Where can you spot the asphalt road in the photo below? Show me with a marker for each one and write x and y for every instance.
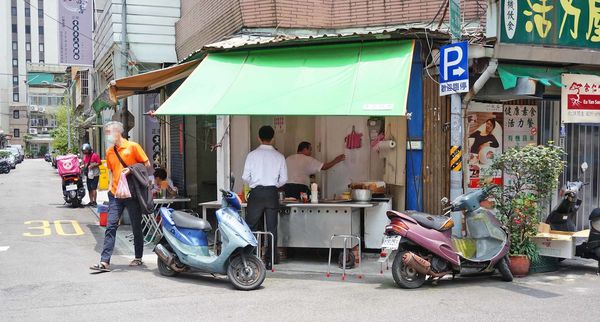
(44, 276)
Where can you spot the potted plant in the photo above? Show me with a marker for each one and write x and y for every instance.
(530, 173)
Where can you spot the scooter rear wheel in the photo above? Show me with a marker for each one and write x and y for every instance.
(404, 276)
(164, 269)
(246, 278)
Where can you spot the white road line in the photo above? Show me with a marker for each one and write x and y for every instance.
(4, 248)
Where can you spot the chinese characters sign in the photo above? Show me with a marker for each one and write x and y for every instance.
(572, 23)
(520, 125)
(75, 32)
(580, 99)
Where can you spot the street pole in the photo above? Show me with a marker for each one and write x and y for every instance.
(456, 130)
(69, 120)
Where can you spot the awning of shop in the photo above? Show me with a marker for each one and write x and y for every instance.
(149, 81)
(369, 78)
(102, 102)
(545, 75)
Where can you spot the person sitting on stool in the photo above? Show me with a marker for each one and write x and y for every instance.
(264, 171)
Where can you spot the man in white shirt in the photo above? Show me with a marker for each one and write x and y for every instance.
(301, 166)
(265, 171)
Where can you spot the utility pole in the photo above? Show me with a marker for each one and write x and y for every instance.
(124, 65)
(456, 124)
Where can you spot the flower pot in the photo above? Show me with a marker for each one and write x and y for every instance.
(519, 265)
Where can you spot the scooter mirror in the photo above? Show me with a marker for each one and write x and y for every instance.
(444, 201)
(584, 166)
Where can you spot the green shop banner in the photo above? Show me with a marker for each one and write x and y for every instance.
(570, 23)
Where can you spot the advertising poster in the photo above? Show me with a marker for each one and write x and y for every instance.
(75, 32)
(580, 98)
(485, 140)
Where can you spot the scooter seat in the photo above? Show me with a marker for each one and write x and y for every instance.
(430, 221)
(185, 220)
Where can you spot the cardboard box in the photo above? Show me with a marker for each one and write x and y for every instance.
(561, 244)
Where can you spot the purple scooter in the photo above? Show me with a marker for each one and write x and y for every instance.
(424, 244)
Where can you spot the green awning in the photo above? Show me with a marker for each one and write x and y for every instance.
(102, 102)
(40, 78)
(545, 75)
(343, 79)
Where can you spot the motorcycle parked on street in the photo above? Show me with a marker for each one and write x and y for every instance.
(424, 246)
(72, 182)
(184, 246)
(562, 218)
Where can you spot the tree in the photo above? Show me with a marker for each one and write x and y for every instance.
(60, 133)
(43, 150)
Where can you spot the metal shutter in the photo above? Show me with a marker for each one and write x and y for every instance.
(177, 141)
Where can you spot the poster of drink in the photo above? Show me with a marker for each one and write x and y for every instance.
(580, 99)
(520, 127)
(485, 138)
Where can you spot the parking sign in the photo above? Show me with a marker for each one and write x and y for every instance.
(454, 68)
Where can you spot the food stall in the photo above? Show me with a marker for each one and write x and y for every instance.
(348, 98)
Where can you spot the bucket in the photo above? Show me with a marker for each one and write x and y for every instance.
(103, 211)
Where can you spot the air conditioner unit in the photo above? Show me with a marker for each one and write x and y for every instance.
(42, 109)
(33, 108)
(44, 129)
(32, 131)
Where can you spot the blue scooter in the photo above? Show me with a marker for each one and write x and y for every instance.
(184, 246)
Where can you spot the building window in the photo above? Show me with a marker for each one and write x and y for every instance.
(27, 46)
(27, 61)
(15, 80)
(14, 28)
(15, 114)
(27, 29)
(27, 12)
(16, 133)
(84, 82)
(15, 63)
(41, 47)
(41, 30)
(40, 13)
(15, 45)
(13, 10)
(41, 61)
(15, 97)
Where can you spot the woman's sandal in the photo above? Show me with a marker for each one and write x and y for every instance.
(100, 267)
(136, 262)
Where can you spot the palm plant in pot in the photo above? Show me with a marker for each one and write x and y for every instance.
(531, 173)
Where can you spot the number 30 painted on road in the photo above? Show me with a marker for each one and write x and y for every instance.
(46, 230)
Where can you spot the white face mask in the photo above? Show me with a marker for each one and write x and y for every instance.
(109, 139)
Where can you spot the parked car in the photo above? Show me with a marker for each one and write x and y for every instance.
(4, 162)
(17, 151)
(9, 157)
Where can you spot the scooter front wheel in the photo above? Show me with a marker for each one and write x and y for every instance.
(164, 269)
(249, 277)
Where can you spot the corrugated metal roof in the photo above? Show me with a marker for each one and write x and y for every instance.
(257, 38)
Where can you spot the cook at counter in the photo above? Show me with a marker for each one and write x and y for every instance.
(301, 166)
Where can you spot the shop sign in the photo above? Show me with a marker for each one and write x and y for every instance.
(520, 128)
(570, 23)
(580, 99)
(279, 124)
(485, 140)
(75, 31)
(152, 128)
(455, 21)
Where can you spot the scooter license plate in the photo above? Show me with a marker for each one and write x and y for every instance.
(71, 187)
(391, 242)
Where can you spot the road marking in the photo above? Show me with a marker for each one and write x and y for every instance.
(46, 230)
(4, 248)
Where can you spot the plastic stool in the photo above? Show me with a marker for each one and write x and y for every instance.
(346, 239)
